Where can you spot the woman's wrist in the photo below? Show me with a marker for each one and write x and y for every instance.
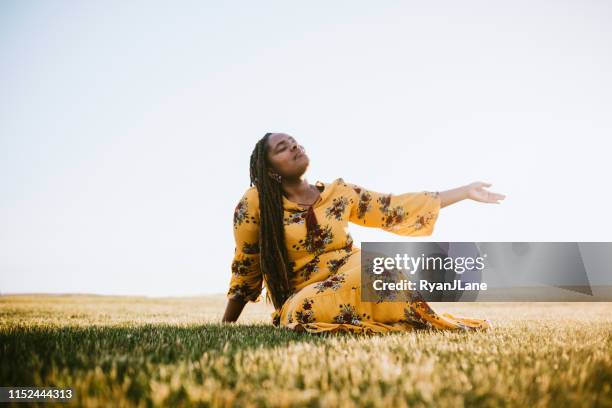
(465, 192)
(232, 310)
(454, 195)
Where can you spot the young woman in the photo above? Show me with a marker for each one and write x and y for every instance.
(293, 236)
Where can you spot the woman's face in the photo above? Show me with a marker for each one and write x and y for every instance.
(286, 155)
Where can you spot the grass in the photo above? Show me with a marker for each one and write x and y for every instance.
(131, 351)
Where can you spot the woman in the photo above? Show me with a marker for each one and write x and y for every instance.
(293, 236)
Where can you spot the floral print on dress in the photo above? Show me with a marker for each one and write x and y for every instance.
(311, 267)
(334, 264)
(241, 212)
(413, 317)
(241, 292)
(333, 282)
(423, 220)
(250, 248)
(348, 315)
(386, 276)
(385, 202)
(387, 295)
(391, 216)
(364, 204)
(337, 208)
(242, 266)
(348, 247)
(306, 315)
(420, 303)
(316, 241)
(295, 218)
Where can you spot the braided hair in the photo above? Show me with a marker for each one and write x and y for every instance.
(274, 259)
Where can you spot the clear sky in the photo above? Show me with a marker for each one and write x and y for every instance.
(126, 127)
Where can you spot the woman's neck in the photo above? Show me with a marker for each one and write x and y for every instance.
(299, 191)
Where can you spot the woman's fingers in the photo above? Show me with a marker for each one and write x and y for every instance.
(495, 197)
(481, 194)
(490, 197)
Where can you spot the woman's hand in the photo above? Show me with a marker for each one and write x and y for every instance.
(476, 191)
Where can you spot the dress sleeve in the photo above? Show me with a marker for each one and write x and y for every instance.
(413, 213)
(246, 281)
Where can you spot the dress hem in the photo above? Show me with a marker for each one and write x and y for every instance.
(376, 328)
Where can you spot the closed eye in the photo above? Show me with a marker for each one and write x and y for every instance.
(284, 144)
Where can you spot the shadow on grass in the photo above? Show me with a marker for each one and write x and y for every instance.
(29, 353)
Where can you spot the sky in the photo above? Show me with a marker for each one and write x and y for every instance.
(126, 127)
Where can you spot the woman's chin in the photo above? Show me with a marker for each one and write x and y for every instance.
(299, 171)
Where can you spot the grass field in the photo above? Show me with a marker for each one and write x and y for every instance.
(131, 351)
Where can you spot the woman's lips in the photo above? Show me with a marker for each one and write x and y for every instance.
(299, 154)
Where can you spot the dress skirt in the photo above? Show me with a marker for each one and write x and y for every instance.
(334, 304)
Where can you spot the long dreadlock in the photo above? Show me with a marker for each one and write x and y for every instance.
(274, 259)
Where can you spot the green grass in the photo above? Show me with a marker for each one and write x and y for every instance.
(127, 351)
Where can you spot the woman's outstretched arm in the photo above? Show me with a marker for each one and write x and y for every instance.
(232, 310)
(474, 191)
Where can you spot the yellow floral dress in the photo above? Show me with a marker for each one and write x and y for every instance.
(326, 266)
